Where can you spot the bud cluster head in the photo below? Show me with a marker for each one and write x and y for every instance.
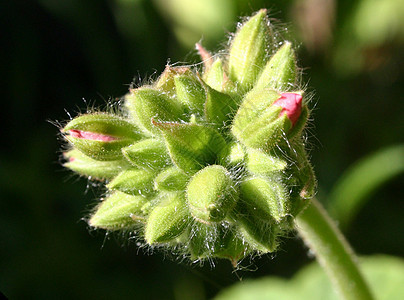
(210, 163)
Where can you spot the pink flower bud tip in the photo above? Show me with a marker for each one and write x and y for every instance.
(87, 135)
(291, 104)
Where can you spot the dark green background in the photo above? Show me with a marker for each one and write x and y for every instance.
(54, 54)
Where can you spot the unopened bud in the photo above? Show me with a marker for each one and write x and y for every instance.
(118, 211)
(265, 117)
(101, 136)
(211, 194)
(96, 169)
(168, 220)
(134, 182)
(147, 154)
(280, 72)
(171, 179)
(145, 104)
(191, 146)
(248, 51)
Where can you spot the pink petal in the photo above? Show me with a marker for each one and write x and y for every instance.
(87, 135)
(291, 104)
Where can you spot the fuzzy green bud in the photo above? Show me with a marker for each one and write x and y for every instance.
(171, 179)
(266, 117)
(95, 169)
(192, 146)
(168, 220)
(147, 154)
(101, 136)
(134, 182)
(211, 194)
(190, 92)
(165, 82)
(259, 234)
(219, 107)
(280, 73)
(265, 198)
(236, 154)
(222, 239)
(259, 162)
(147, 104)
(248, 51)
(118, 211)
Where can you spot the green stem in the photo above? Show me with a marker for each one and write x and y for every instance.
(333, 252)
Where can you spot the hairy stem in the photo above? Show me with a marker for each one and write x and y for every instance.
(333, 252)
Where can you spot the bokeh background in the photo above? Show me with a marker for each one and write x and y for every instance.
(61, 57)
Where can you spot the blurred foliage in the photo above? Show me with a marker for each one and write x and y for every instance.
(384, 273)
(56, 53)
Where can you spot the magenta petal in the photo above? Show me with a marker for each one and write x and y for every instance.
(87, 135)
(291, 104)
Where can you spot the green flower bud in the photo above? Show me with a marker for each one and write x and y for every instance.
(236, 154)
(248, 51)
(221, 240)
(118, 211)
(168, 220)
(96, 169)
(165, 83)
(259, 162)
(134, 182)
(171, 179)
(215, 76)
(148, 154)
(219, 107)
(265, 118)
(259, 234)
(265, 198)
(280, 73)
(192, 146)
(101, 136)
(211, 194)
(190, 92)
(300, 177)
(217, 79)
(146, 104)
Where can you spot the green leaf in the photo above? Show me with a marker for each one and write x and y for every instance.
(362, 179)
(385, 275)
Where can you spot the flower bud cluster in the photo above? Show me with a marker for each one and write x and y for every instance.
(210, 162)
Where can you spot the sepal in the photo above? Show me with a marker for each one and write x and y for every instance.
(96, 169)
(211, 194)
(192, 146)
(168, 220)
(118, 211)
